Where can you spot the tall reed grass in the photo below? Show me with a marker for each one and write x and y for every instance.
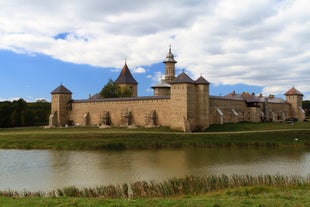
(190, 185)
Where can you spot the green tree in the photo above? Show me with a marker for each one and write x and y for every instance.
(126, 91)
(112, 90)
(18, 115)
(38, 112)
(5, 114)
(306, 107)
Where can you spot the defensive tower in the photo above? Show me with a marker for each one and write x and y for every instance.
(125, 79)
(203, 119)
(294, 98)
(61, 98)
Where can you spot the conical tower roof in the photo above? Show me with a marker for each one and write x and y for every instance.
(293, 91)
(125, 77)
(61, 90)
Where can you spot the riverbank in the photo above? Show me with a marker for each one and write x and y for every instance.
(92, 138)
(211, 191)
(244, 196)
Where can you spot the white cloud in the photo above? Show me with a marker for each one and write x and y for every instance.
(138, 70)
(259, 42)
(156, 77)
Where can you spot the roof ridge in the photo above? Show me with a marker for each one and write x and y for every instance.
(183, 78)
(202, 80)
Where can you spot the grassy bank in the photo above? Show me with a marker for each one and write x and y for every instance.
(227, 135)
(211, 191)
(238, 197)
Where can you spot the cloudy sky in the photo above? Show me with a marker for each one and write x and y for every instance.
(259, 46)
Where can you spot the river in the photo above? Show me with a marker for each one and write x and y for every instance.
(46, 170)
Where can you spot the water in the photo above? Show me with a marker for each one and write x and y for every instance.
(46, 170)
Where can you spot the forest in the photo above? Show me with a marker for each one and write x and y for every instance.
(19, 113)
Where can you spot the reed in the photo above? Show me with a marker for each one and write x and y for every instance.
(192, 185)
(174, 187)
(110, 191)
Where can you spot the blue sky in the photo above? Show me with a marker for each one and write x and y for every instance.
(33, 77)
(259, 46)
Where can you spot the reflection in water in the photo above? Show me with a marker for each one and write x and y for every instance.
(250, 161)
(36, 170)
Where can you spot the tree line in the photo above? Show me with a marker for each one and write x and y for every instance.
(20, 113)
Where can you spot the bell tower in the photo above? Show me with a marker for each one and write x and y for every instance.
(170, 67)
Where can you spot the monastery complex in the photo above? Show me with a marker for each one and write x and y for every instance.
(179, 102)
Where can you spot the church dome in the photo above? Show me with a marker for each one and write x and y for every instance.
(170, 57)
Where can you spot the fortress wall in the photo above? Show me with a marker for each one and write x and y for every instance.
(226, 106)
(138, 108)
(281, 111)
(277, 111)
(233, 111)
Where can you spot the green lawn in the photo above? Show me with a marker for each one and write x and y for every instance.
(236, 197)
(227, 135)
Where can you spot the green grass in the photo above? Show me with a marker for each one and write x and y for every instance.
(252, 126)
(244, 196)
(91, 138)
(256, 196)
(174, 187)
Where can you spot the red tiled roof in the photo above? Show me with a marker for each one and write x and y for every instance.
(293, 91)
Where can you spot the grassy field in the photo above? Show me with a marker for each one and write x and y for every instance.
(227, 135)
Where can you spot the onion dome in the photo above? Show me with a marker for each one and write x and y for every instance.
(170, 57)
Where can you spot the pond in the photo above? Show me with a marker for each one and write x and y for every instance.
(46, 170)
